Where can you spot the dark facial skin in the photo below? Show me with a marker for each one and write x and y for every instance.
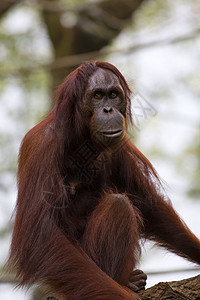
(104, 108)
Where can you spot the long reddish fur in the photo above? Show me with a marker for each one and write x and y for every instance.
(40, 251)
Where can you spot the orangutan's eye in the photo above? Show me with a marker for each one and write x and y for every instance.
(113, 94)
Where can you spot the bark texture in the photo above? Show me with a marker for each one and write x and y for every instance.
(177, 290)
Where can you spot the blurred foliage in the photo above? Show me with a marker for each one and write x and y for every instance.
(152, 13)
(18, 45)
(31, 90)
(193, 157)
(158, 12)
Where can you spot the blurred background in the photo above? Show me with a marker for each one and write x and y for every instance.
(156, 45)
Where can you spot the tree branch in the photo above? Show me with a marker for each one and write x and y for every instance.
(176, 290)
(73, 60)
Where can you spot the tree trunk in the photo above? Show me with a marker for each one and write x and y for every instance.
(96, 25)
